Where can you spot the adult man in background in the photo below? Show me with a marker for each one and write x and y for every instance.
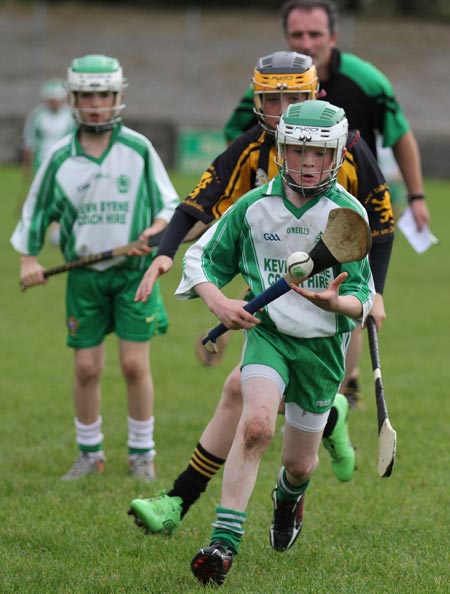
(311, 28)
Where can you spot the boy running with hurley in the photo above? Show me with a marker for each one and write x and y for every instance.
(296, 346)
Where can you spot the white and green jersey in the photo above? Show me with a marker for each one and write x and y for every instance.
(256, 236)
(100, 203)
(44, 128)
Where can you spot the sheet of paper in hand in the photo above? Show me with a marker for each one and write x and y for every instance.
(419, 240)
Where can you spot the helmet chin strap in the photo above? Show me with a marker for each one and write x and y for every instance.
(260, 116)
(97, 127)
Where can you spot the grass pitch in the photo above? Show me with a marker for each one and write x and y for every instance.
(369, 536)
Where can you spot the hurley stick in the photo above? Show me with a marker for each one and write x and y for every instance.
(387, 436)
(152, 242)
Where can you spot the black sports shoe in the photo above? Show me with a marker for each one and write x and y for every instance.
(287, 522)
(211, 564)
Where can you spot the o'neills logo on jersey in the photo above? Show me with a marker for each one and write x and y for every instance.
(297, 231)
(123, 183)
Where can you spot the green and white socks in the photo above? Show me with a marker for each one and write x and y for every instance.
(228, 527)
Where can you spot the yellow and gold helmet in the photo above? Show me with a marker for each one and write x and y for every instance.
(290, 76)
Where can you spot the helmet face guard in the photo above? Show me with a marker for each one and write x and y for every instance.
(312, 124)
(96, 74)
(283, 73)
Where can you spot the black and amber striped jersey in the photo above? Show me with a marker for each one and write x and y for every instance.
(250, 162)
(247, 163)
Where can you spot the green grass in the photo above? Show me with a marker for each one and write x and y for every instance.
(369, 536)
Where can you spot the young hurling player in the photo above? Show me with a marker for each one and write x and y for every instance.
(278, 80)
(106, 186)
(295, 348)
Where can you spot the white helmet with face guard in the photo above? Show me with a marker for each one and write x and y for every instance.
(312, 124)
(96, 73)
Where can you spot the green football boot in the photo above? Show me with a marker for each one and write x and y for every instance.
(158, 514)
(338, 444)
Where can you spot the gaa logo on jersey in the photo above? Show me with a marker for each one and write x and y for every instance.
(123, 183)
(272, 237)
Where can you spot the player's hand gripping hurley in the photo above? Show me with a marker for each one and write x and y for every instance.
(123, 250)
(387, 436)
(346, 238)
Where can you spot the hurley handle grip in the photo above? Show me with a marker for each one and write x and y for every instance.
(152, 242)
(270, 294)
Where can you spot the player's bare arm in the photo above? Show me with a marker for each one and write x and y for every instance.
(159, 266)
(230, 312)
(407, 155)
(378, 312)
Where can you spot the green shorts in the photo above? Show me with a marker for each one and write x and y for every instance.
(311, 368)
(98, 303)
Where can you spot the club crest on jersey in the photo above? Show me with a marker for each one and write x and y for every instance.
(318, 237)
(261, 177)
(72, 324)
(123, 183)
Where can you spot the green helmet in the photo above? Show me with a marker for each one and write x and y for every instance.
(96, 73)
(317, 124)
